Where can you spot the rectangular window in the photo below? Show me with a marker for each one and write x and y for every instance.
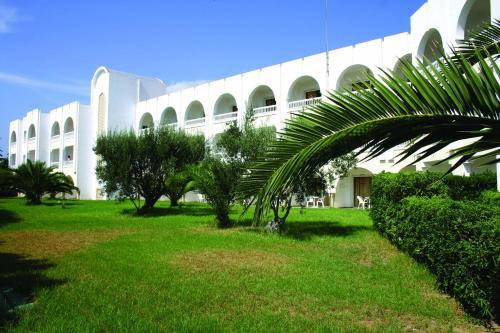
(270, 101)
(313, 94)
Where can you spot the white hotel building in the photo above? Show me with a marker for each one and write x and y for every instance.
(64, 137)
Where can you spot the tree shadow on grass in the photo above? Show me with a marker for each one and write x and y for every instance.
(55, 202)
(8, 217)
(171, 211)
(25, 276)
(307, 230)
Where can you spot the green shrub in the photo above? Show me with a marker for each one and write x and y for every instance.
(491, 198)
(470, 188)
(460, 243)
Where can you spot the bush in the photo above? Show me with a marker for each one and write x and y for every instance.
(491, 198)
(459, 241)
(470, 188)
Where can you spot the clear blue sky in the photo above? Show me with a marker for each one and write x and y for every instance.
(49, 49)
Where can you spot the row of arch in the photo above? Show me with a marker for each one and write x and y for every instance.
(305, 87)
(55, 130)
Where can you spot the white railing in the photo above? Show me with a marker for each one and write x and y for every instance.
(54, 164)
(68, 163)
(174, 125)
(303, 103)
(226, 116)
(69, 135)
(195, 122)
(13, 146)
(32, 140)
(264, 109)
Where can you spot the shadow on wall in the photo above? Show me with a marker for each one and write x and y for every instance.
(23, 277)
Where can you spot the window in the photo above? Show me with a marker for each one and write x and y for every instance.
(235, 108)
(313, 94)
(270, 101)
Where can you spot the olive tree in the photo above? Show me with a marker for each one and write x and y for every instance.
(132, 166)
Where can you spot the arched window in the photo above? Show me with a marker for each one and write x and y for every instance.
(13, 137)
(303, 92)
(168, 117)
(31, 132)
(225, 108)
(55, 131)
(146, 121)
(195, 114)
(69, 126)
(262, 100)
(474, 14)
(101, 114)
(354, 78)
(399, 65)
(431, 46)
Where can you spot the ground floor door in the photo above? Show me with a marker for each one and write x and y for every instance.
(362, 188)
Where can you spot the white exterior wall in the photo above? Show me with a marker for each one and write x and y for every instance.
(129, 97)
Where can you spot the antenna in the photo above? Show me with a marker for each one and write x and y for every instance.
(327, 47)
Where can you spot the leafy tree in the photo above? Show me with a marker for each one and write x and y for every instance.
(339, 167)
(455, 98)
(178, 184)
(219, 175)
(137, 166)
(36, 179)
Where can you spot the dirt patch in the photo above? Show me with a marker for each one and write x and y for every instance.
(43, 244)
(227, 260)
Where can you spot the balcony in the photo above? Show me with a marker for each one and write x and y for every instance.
(229, 116)
(68, 164)
(13, 146)
(69, 135)
(55, 140)
(304, 103)
(55, 164)
(265, 110)
(195, 122)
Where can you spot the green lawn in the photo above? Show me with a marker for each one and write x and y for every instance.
(94, 267)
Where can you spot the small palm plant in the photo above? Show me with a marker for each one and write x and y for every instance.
(427, 107)
(36, 179)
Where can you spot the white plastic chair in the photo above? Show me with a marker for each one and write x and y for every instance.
(320, 201)
(310, 200)
(361, 202)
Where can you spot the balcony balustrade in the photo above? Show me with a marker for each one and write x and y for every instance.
(195, 122)
(226, 116)
(69, 135)
(265, 110)
(301, 104)
(68, 163)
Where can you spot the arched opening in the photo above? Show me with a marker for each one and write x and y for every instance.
(225, 108)
(303, 92)
(31, 132)
(474, 15)
(399, 65)
(13, 137)
(431, 46)
(101, 114)
(146, 122)
(55, 131)
(262, 100)
(168, 117)
(195, 114)
(354, 78)
(69, 127)
(354, 189)
(54, 157)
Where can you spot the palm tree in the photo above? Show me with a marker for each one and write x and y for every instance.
(428, 107)
(35, 179)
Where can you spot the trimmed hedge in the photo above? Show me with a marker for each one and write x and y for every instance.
(459, 241)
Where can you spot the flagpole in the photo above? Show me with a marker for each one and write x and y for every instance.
(327, 47)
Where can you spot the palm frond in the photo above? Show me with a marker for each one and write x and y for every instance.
(449, 101)
(486, 40)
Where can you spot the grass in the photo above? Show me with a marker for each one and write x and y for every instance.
(94, 267)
